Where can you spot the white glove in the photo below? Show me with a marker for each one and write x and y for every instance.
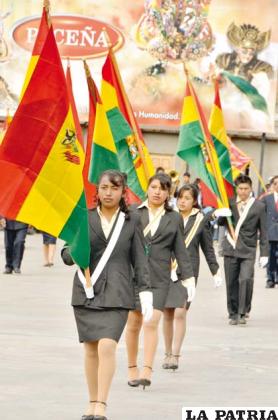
(217, 280)
(263, 262)
(191, 289)
(146, 300)
(89, 291)
(222, 212)
(174, 276)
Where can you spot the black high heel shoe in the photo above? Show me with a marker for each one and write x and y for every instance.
(89, 416)
(133, 382)
(97, 416)
(145, 382)
(175, 363)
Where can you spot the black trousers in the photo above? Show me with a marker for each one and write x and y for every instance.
(239, 275)
(272, 269)
(14, 244)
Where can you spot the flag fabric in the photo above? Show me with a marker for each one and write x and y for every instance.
(41, 159)
(220, 139)
(90, 188)
(134, 157)
(38, 45)
(239, 159)
(103, 150)
(191, 145)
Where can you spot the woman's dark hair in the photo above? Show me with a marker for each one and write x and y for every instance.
(118, 179)
(194, 191)
(166, 183)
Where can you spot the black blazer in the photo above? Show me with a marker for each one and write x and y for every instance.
(167, 239)
(114, 287)
(254, 223)
(202, 238)
(271, 217)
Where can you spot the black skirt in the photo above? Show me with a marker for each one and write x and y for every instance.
(177, 296)
(95, 324)
(159, 297)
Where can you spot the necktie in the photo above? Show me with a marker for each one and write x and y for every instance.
(242, 207)
(276, 205)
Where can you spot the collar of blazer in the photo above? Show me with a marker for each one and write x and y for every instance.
(165, 219)
(191, 220)
(95, 224)
(240, 220)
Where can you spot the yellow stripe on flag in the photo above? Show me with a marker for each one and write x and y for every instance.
(102, 133)
(58, 186)
(109, 95)
(217, 126)
(33, 62)
(189, 111)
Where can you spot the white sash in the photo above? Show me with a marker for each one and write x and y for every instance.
(194, 229)
(104, 258)
(149, 226)
(240, 222)
(187, 242)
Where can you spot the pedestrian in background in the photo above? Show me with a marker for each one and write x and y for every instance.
(14, 237)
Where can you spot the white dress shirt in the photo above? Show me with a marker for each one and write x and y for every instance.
(106, 224)
(152, 215)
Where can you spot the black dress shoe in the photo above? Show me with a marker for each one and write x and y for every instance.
(8, 270)
(100, 417)
(270, 285)
(89, 417)
(17, 270)
(134, 383)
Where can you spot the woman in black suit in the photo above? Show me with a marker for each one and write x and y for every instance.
(163, 234)
(197, 233)
(100, 320)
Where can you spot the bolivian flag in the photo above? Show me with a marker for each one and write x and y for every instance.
(192, 143)
(134, 158)
(41, 160)
(219, 136)
(104, 153)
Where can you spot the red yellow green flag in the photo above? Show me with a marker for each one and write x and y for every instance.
(90, 188)
(103, 150)
(239, 159)
(41, 159)
(134, 157)
(192, 145)
(220, 139)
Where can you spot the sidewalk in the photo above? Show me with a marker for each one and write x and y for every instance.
(41, 361)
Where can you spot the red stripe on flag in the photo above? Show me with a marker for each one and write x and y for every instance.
(35, 125)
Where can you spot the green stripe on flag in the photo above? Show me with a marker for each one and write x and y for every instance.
(224, 159)
(76, 233)
(102, 160)
(189, 149)
(121, 130)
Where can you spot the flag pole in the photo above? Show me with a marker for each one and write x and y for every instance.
(225, 201)
(129, 110)
(258, 175)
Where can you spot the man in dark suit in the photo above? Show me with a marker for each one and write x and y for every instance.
(271, 204)
(249, 219)
(15, 234)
